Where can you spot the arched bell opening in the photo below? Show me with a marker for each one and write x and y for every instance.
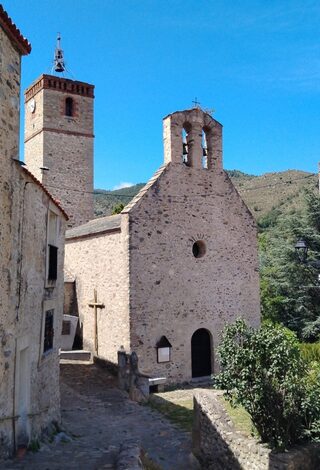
(204, 144)
(186, 144)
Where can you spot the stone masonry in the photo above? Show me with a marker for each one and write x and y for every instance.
(61, 141)
(220, 446)
(99, 260)
(29, 379)
(143, 263)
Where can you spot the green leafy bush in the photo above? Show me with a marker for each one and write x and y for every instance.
(263, 371)
(117, 209)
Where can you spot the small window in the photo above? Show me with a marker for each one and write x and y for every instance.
(53, 263)
(52, 247)
(199, 249)
(69, 106)
(48, 331)
(66, 327)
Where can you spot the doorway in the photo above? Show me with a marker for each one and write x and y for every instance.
(201, 353)
(23, 397)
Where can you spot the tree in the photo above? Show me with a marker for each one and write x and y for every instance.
(290, 292)
(263, 371)
(117, 208)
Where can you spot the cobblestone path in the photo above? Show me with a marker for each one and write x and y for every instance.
(99, 418)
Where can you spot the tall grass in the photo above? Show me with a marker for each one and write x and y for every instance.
(310, 352)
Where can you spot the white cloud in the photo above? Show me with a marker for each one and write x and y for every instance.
(122, 185)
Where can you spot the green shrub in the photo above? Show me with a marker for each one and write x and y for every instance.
(263, 371)
(117, 208)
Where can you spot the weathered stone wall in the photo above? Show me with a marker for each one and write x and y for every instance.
(64, 144)
(9, 148)
(31, 380)
(45, 395)
(100, 262)
(172, 293)
(10, 63)
(219, 446)
(23, 321)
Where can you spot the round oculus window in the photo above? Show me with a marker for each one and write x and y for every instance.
(199, 249)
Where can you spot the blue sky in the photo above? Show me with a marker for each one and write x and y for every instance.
(256, 63)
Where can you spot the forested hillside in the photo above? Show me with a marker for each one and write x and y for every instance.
(268, 196)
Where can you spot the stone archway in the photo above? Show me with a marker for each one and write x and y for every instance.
(201, 353)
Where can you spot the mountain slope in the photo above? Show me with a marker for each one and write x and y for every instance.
(268, 196)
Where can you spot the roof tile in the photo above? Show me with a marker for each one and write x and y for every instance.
(14, 33)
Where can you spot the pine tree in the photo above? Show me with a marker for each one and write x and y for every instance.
(290, 290)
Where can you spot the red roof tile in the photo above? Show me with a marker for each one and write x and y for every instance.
(55, 201)
(14, 33)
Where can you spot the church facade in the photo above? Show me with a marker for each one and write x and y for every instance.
(175, 266)
(163, 277)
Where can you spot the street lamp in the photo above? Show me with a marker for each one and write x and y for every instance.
(302, 250)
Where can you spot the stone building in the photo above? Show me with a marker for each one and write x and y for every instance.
(175, 266)
(59, 142)
(32, 228)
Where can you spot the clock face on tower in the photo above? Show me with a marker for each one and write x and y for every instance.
(32, 105)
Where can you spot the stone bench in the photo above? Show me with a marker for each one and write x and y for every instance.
(156, 384)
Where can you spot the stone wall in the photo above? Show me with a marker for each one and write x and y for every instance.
(30, 386)
(219, 446)
(63, 144)
(29, 380)
(100, 261)
(10, 64)
(173, 293)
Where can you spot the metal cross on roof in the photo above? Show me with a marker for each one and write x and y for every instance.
(196, 103)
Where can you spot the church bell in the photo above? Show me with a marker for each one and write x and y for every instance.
(59, 65)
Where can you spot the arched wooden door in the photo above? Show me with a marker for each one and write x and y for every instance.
(201, 353)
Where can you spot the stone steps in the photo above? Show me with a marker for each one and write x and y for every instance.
(76, 356)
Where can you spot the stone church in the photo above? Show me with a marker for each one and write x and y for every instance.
(163, 277)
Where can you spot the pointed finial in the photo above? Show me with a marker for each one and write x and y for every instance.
(59, 65)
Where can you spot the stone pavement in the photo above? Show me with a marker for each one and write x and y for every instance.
(99, 418)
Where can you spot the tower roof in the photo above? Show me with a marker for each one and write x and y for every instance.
(60, 84)
(21, 43)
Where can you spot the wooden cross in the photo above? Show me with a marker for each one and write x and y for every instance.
(95, 304)
(196, 103)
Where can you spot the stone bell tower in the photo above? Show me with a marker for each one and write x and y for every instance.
(194, 138)
(59, 140)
